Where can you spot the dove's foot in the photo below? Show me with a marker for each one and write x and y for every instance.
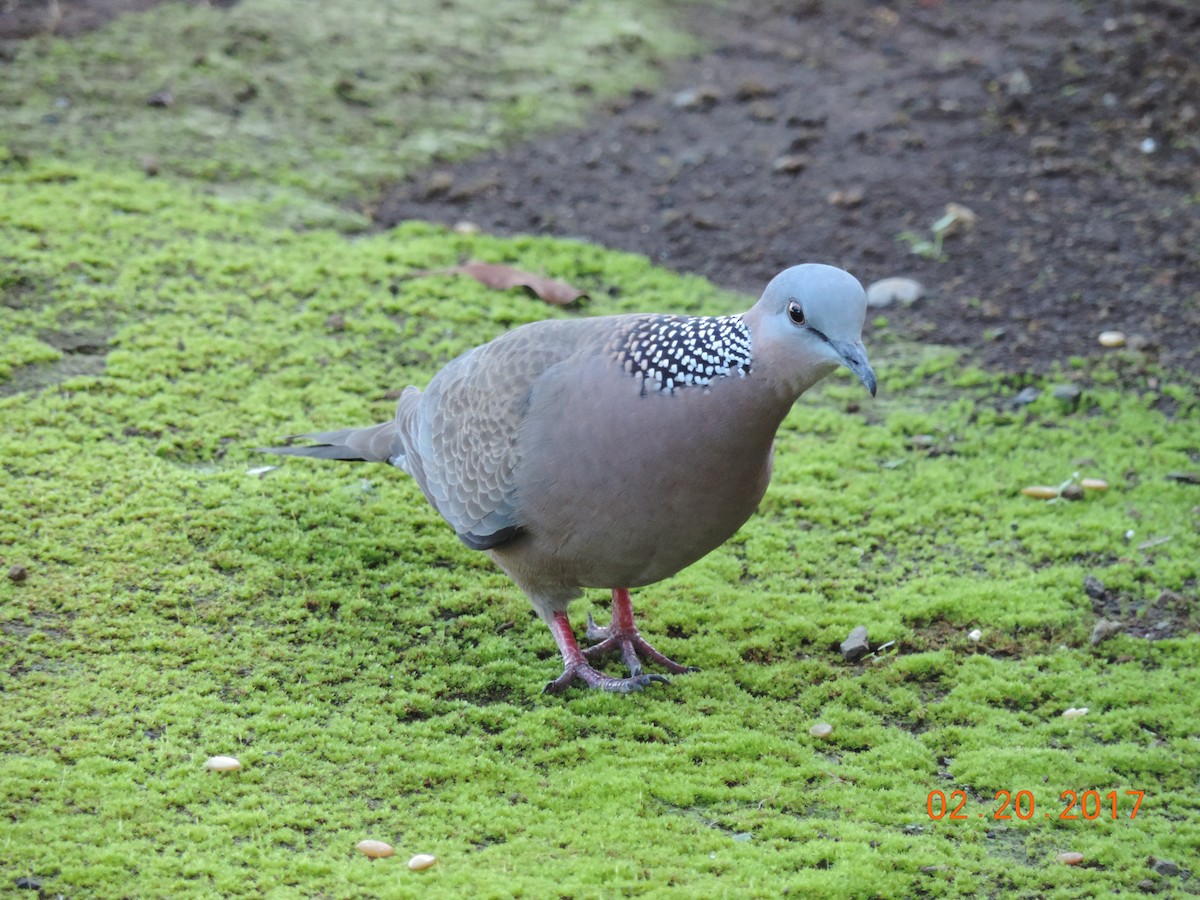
(575, 666)
(595, 679)
(621, 635)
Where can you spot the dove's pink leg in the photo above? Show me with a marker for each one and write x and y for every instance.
(622, 634)
(576, 666)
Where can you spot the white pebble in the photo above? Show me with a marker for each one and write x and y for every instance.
(821, 730)
(374, 849)
(1073, 713)
(1149, 145)
(222, 764)
(1112, 339)
(421, 861)
(975, 636)
(888, 290)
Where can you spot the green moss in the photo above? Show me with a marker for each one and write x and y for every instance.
(377, 679)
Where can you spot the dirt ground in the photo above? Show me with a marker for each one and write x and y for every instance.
(839, 132)
(1036, 115)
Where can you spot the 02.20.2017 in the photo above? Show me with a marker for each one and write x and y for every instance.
(1090, 804)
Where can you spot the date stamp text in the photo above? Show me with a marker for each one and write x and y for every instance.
(1087, 805)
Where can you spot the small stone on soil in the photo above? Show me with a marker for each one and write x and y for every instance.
(700, 99)
(790, 164)
(1164, 867)
(821, 730)
(1068, 393)
(847, 199)
(1094, 588)
(18, 573)
(1104, 629)
(887, 291)
(1111, 339)
(855, 647)
(1016, 83)
(1027, 396)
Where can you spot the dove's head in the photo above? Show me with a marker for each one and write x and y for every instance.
(807, 323)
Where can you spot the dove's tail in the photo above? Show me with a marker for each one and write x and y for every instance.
(375, 443)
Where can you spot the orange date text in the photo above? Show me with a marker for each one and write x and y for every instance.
(1087, 805)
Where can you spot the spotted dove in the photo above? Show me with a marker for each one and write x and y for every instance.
(612, 452)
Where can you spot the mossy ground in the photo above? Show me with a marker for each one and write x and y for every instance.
(377, 679)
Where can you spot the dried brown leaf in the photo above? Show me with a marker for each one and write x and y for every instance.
(504, 278)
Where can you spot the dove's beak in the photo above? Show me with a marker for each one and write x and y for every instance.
(854, 358)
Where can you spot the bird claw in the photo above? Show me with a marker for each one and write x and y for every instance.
(632, 647)
(596, 679)
(596, 632)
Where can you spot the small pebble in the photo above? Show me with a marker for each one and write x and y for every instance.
(1066, 392)
(1165, 867)
(222, 764)
(701, 98)
(1095, 588)
(1073, 713)
(1148, 146)
(847, 199)
(1112, 339)
(375, 849)
(1104, 629)
(421, 861)
(1026, 396)
(1040, 492)
(821, 730)
(18, 573)
(856, 645)
(1069, 859)
(466, 227)
(1094, 484)
(1016, 83)
(790, 164)
(887, 291)
(975, 636)
(1071, 492)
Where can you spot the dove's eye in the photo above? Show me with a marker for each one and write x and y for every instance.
(796, 312)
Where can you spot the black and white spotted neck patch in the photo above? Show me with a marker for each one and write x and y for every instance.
(669, 352)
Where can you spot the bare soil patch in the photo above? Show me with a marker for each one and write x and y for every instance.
(825, 131)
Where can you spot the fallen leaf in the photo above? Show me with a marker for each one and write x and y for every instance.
(505, 278)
